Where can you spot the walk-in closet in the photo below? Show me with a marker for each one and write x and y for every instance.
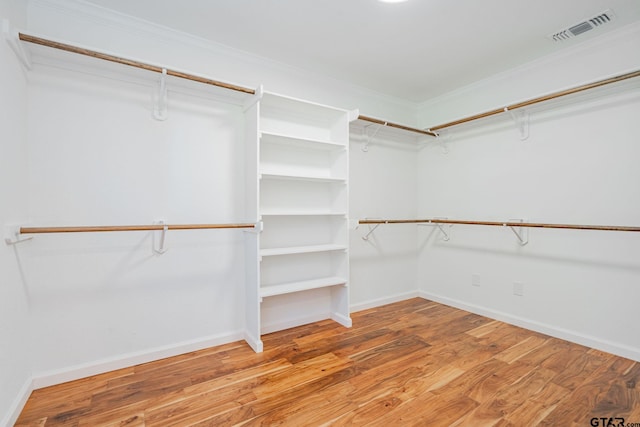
(319, 213)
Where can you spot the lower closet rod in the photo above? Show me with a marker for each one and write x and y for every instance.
(500, 224)
(153, 227)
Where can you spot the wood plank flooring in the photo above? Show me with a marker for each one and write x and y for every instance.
(415, 362)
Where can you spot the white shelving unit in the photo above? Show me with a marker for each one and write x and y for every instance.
(301, 197)
(296, 172)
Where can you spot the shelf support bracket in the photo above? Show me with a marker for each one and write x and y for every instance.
(522, 234)
(12, 235)
(16, 45)
(160, 109)
(371, 230)
(521, 120)
(445, 235)
(442, 138)
(367, 142)
(159, 241)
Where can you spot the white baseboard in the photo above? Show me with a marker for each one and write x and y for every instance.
(18, 404)
(45, 379)
(383, 301)
(565, 334)
(254, 342)
(343, 320)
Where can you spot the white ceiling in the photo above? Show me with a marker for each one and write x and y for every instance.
(414, 50)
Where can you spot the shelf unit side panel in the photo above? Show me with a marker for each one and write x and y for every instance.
(252, 239)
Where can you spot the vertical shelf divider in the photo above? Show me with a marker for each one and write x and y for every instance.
(302, 196)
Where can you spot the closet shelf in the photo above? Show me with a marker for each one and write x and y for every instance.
(282, 106)
(289, 177)
(284, 139)
(302, 213)
(287, 288)
(301, 250)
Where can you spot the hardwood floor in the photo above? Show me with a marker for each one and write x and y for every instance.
(415, 362)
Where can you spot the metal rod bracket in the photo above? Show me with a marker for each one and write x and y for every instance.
(160, 239)
(371, 230)
(160, 108)
(521, 120)
(368, 138)
(13, 236)
(446, 236)
(522, 234)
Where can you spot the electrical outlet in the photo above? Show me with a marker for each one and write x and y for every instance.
(518, 289)
(475, 280)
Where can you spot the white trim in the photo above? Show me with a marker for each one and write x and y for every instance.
(49, 378)
(254, 343)
(384, 301)
(18, 404)
(88, 12)
(548, 60)
(565, 334)
(343, 320)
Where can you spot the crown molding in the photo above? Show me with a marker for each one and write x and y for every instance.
(628, 32)
(84, 11)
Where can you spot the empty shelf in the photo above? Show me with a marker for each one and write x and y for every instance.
(302, 249)
(302, 177)
(278, 138)
(287, 288)
(302, 213)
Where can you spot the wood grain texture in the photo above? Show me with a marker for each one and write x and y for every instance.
(129, 62)
(108, 228)
(414, 362)
(502, 224)
(540, 99)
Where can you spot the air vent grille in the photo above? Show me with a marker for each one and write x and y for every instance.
(587, 25)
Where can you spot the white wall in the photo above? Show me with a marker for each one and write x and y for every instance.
(579, 165)
(101, 301)
(15, 374)
(382, 185)
(99, 28)
(97, 157)
(107, 300)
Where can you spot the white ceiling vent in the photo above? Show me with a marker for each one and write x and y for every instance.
(587, 25)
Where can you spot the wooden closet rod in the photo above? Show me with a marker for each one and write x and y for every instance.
(500, 224)
(131, 63)
(537, 100)
(397, 126)
(153, 227)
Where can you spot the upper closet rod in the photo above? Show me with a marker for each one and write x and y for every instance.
(131, 63)
(539, 99)
(153, 227)
(397, 126)
(500, 224)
